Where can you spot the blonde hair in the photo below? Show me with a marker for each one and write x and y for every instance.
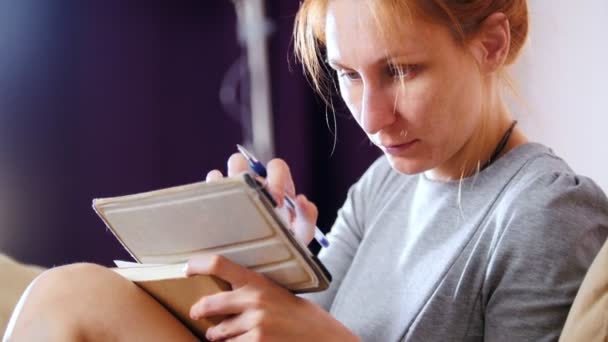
(462, 18)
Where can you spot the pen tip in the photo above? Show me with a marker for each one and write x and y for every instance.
(246, 153)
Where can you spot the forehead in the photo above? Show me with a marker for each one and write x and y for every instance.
(355, 33)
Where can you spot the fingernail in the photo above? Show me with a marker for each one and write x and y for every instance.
(196, 311)
(209, 334)
(193, 314)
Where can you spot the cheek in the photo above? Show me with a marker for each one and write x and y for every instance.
(419, 105)
(453, 115)
(433, 111)
(438, 103)
(464, 105)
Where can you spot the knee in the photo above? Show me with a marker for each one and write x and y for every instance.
(73, 283)
(73, 275)
(54, 301)
(71, 271)
(60, 274)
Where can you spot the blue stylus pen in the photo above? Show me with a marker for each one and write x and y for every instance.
(260, 170)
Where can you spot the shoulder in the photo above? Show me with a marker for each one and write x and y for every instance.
(547, 183)
(549, 224)
(549, 210)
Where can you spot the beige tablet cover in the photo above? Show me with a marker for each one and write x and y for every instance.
(231, 217)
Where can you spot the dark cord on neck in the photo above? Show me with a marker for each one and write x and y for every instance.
(501, 145)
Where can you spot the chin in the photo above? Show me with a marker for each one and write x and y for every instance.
(406, 166)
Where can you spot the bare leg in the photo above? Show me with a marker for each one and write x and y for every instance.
(85, 302)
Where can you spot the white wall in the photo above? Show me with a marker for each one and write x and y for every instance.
(563, 80)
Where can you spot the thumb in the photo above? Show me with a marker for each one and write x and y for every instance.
(221, 267)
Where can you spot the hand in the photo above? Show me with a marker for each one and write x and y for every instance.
(279, 183)
(259, 309)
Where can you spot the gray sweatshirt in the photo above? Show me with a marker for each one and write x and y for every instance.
(498, 256)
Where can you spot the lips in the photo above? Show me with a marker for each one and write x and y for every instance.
(399, 148)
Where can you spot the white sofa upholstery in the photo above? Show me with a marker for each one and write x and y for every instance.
(14, 278)
(588, 317)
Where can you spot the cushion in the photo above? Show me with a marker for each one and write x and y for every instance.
(14, 278)
(588, 317)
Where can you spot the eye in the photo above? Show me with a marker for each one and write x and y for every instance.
(402, 72)
(348, 75)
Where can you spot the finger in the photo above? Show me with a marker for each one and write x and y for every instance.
(250, 335)
(279, 180)
(286, 214)
(305, 220)
(214, 175)
(234, 326)
(237, 164)
(222, 303)
(220, 267)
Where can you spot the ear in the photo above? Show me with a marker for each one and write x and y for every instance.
(490, 44)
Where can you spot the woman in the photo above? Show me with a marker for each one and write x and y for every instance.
(462, 231)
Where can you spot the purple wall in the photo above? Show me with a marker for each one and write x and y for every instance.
(102, 98)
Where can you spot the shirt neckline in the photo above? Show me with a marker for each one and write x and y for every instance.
(507, 161)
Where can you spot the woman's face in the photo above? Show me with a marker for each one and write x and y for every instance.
(417, 98)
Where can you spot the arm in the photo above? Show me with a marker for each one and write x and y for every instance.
(344, 239)
(260, 309)
(349, 229)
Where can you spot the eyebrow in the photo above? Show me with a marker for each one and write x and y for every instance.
(334, 63)
(385, 59)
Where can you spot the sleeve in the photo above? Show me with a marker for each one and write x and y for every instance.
(553, 230)
(347, 233)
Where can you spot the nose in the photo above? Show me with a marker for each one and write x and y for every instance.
(378, 109)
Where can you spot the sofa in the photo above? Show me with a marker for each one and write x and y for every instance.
(14, 278)
(588, 316)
